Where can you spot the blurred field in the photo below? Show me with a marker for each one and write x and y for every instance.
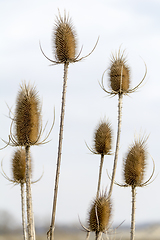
(148, 233)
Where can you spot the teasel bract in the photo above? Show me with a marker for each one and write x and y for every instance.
(119, 84)
(102, 144)
(134, 169)
(65, 52)
(99, 215)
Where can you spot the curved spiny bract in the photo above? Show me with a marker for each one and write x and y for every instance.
(103, 138)
(135, 163)
(99, 214)
(27, 116)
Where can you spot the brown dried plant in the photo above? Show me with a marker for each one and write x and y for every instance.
(99, 216)
(65, 52)
(119, 81)
(27, 131)
(19, 177)
(134, 170)
(102, 145)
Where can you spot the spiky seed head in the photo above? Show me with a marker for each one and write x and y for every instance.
(19, 166)
(64, 39)
(135, 163)
(103, 138)
(119, 74)
(99, 214)
(27, 116)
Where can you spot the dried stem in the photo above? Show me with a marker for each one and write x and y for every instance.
(133, 213)
(30, 219)
(117, 143)
(100, 174)
(23, 211)
(51, 231)
(98, 235)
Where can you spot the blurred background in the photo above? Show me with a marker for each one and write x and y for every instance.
(133, 25)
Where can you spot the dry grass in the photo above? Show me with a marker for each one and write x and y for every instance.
(149, 233)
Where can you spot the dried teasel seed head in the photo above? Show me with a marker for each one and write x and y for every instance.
(103, 138)
(64, 39)
(99, 214)
(119, 74)
(27, 116)
(135, 163)
(19, 166)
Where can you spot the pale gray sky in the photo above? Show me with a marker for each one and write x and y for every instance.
(132, 24)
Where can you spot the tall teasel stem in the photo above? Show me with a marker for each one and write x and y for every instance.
(100, 174)
(65, 51)
(30, 219)
(117, 142)
(59, 150)
(133, 212)
(23, 211)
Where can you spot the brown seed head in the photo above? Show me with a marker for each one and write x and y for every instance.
(99, 214)
(119, 74)
(135, 163)
(64, 39)
(103, 138)
(27, 116)
(19, 166)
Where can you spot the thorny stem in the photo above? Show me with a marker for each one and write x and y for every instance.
(98, 235)
(133, 213)
(51, 231)
(30, 219)
(88, 234)
(23, 211)
(117, 143)
(100, 174)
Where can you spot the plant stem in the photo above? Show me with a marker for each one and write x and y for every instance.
(23, 211)
(51, 231)
(98, 235)
(30, 220)
(117, 143)
(133, 213)
(100, 174)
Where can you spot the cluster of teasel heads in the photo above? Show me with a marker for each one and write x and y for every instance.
(25, 131)
(135, 162)
(28, 130)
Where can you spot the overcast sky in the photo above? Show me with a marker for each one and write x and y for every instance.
(133, 25)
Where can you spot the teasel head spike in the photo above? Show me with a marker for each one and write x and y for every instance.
(26, 126)
(99, 214)
(27, 116)
(102, 140)
(18, 167)
(119, 75)
(65, 42)
(135, 165)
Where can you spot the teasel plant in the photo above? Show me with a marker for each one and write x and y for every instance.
(99, 216)
(19, 177)
(65, 52)
(134, 168)
(26, 131)
(102, 144)
(119, 84)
